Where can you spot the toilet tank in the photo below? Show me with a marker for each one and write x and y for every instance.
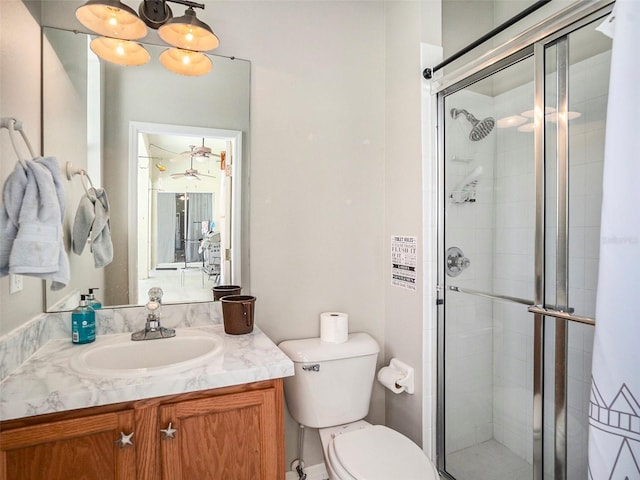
(332, 382)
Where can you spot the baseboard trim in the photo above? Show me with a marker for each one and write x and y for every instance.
(313, 472)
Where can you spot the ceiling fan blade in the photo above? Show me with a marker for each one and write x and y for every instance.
(180, 157)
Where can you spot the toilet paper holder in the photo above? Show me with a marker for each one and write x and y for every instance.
(405, 379)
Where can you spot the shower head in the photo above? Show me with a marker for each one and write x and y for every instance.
(479, 128)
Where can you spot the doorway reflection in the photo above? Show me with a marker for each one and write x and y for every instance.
(182, 215)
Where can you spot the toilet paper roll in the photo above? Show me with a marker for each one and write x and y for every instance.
(334, 327)
(389, 377)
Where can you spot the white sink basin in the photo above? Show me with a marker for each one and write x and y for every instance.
(117, 355)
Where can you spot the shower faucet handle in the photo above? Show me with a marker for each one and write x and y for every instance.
(462, 262)
(456, 261)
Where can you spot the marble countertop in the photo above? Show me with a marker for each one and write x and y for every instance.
(46, 383)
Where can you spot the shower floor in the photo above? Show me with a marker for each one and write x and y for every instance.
(489, 460)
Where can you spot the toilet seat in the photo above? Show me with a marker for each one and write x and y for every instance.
(378, 453)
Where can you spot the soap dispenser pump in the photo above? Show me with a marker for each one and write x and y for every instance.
(83, 322)
(92, 300)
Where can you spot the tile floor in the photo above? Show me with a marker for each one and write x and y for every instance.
(180, 285)
(489, 460)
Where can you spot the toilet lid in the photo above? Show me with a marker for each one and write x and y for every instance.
(379, 453)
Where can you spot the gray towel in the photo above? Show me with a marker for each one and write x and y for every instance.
(31, 223)
(92, 223)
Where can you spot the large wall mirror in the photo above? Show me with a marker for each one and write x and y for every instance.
(141, 133)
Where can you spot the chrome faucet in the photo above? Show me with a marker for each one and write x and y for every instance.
(152, 329)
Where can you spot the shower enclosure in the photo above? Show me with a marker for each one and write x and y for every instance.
(521, 147)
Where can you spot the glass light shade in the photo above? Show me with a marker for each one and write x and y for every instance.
(531, 113)
(527, 127)
(188, 33)
(553, 117)
(122, 52)
(185, 62)
(111, 18)
(511, 121)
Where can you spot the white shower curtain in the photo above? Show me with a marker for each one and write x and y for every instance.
(614, 410)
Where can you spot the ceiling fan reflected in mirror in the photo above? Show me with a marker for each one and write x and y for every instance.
(201, 153)
(191, 173)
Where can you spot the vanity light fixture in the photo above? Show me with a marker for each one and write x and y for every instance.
(185, 62)
(122, 52)
(188, 33)
(118, 24)
(111, 18)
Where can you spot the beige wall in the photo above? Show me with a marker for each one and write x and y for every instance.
(335, 168)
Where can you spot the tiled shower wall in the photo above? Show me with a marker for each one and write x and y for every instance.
(469, 322)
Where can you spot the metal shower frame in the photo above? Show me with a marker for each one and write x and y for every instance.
(531, 43)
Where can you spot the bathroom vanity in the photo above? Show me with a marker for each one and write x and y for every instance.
(219, 419)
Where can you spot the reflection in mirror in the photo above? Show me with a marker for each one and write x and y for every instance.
(101, 117)
(183, 216)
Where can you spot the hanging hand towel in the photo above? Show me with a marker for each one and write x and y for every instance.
(31, 223)
(92, 223)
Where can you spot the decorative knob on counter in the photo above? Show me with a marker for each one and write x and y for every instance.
(168, 432)
(125, 439)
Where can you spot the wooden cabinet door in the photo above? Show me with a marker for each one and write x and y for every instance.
(80, 449)
(232, 437)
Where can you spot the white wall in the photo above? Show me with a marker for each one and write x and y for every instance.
(407, 25)
(19, 98)
(317, 167)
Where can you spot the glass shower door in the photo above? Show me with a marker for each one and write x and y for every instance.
(489, 243)
(576, 90)
(521, 157)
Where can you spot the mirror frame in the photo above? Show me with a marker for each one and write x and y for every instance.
(137, 128)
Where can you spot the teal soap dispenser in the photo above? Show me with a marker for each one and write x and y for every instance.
(92, 300)
(83, 322)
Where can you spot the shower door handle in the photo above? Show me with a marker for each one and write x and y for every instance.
(560, 314)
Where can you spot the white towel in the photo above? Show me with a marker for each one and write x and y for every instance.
(92, 223)
(31, 223)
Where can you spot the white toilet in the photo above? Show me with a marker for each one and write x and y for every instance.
(331, 391)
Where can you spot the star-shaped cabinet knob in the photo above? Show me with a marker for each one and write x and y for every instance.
(124, 439)
(169, 432)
